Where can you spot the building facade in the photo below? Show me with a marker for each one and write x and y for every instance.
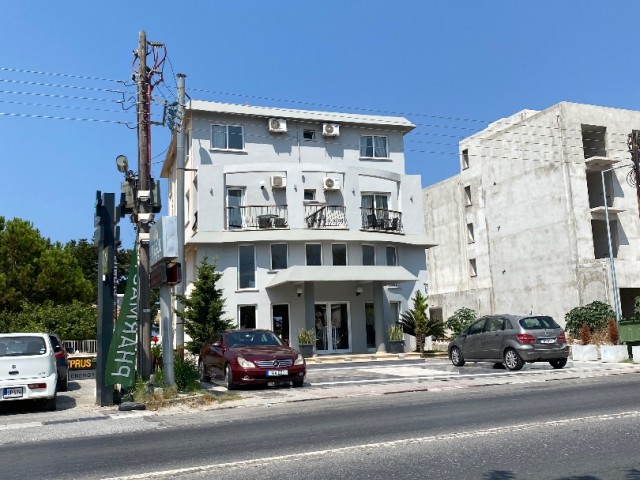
(522, 228)
(308, 215)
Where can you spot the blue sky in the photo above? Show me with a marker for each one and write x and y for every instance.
(449, 66)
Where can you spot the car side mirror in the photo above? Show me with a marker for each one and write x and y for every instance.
(217, 344)
(57, 348)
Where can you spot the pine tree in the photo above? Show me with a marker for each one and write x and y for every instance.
(204, 309)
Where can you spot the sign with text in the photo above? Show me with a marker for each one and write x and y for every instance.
(163, 240)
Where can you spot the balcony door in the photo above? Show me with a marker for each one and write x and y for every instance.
(235, 201)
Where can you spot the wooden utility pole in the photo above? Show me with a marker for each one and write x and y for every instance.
(635, 158)
(144, 211)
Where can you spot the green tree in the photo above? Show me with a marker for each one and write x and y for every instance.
(416, 322)
(60, 278)
(595, 315)
(204, 309)
(73, 321)
(86, 255)
(461, 319)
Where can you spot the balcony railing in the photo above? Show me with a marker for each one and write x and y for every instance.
(257, 217)
(325, 216)
(380, 219)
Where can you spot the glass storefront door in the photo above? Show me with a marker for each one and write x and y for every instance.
(332, 328)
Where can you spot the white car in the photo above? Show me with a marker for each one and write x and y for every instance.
(28, 368)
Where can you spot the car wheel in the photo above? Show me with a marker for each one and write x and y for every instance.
(456, 357)
(203, 374)
(297, 383)
(228, 378)
(558, 362)
(512, 360)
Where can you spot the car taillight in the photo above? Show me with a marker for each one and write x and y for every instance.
(59, 354)
(562, 338)
(525, 338)
(34, 386)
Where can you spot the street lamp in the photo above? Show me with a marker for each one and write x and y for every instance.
(614, 282)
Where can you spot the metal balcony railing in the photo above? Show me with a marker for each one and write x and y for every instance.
(380, 219)
(325, 216)
(257, 217)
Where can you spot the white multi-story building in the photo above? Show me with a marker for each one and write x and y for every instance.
(522, 228)
(308, 215)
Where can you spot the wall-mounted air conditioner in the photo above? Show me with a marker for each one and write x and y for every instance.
(278, 181)
(277, 125)
(329, 183)
(330, 129)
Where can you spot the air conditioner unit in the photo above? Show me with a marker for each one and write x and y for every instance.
(329, 183)
(330, 129)
(278, 181)
(277, 125)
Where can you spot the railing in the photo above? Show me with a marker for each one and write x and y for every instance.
(380, 219)
(80, 346)
(325, 216)
(257, 217)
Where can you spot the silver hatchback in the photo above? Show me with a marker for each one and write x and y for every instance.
(511, 340)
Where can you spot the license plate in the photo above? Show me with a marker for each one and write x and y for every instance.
(12, 392)
(277, 373)
(547, 340)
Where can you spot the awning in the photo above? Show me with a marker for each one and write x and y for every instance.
(351, 273)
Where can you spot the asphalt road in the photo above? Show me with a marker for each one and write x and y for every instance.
(575, 429)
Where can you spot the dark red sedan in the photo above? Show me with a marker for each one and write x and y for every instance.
(251, 357)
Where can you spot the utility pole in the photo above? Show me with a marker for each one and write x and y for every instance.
(144, 210)
(180, 161)
(634, 144)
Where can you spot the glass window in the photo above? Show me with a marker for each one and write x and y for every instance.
(370, 321)
(392, 258)
(476, 327)
(246, 266)
(368, 255)
(314, 254)
(373, 146)
(235, 199)
(309, 134)
(339, 253)
(493, 325)
(538, 323)
(247, 315)
(309, 195)
(227, 137)
(278, 256)
(280, 317)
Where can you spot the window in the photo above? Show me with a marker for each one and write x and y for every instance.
(465, 159)
(235, 199)
(247, 316)
(394, 307)
(314, 254)
(368, 255)
(370, 322)
(309, 134)
(278, 256)
(280, 320)
(470, 235)
(339, 253)
(467, 195)
(309, 195)
(246, 266)
(227, 137)
(373, 146)
(392, 259)
(593, 141)
(473, 270)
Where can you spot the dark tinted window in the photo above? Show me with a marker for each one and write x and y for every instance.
(536, 323)
(18, 346)
(476, 327)
(493, 325)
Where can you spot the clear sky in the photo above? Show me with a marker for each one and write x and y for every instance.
(449, 66)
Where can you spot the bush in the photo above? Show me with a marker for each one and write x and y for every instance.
(461, 319)
(396, 334)
(585, 334)
(612, 332)
(595, 315)
(187, 375)
(306, 337)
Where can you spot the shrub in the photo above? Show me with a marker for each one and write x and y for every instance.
(187, 375)
(595, 315)
(461, 319)
(396, 334)
(585, 334)
(306, 337)
(612, 332)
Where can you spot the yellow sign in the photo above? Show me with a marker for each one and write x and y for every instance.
(81, 363)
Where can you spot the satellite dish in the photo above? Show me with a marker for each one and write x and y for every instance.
(122, 163)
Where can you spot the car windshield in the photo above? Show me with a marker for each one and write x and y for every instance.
(252, 339)
(538, 323)
(19, 346)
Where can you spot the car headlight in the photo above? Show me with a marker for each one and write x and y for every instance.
(299, 360)
(244, 363)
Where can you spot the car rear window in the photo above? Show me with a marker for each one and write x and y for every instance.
(19, 346)
(538, 323)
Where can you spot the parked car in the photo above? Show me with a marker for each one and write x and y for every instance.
(251, 357)
(28, 368)
(511, 340)
(62, 362)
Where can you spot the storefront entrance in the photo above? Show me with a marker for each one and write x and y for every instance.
(333, 330)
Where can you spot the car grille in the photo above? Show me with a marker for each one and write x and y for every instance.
(277, 363)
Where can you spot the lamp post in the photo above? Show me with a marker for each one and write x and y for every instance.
(614, 282)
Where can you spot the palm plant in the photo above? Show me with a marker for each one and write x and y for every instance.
(415, 322)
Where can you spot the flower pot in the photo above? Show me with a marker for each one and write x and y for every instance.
(396, 346)
(614, 353)
(582, 353)
(306, 350)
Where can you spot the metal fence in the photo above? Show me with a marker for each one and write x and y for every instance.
(80, 346)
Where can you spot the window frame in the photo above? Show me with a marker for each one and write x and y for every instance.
(240, 273)
(226, 137)
(373, 248)
(333, 254)
(306, 253)
(373, 147)
(286, 256)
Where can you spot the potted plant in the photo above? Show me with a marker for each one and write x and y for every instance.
(613, 352)
(396, 338)
(306, 341)
(584, 351)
